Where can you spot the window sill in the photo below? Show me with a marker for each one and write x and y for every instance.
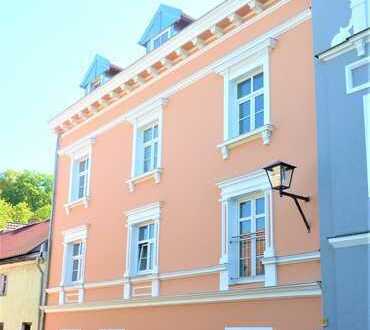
(263, 132)
(247, 280)
(82, 201)
(154, 174)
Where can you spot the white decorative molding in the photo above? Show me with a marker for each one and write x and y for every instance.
(197, 28)
(358, 22)
(75, 234)
(350, 240)
(293, 259)
(236, 188)
(141, 117)
(144, 213)
(78, 149)
(232, 67)
(179, 274)
(264, 133)
(277, 292)
(244, 184)
(82, 201)
(147, 213)
(350, 87)
(184, 83)
(356, 42)
(70, 236)
(154, 174)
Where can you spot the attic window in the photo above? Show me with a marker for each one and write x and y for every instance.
(95, 83)
(161, 39)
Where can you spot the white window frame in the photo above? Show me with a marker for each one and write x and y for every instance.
(83, 174)
(366, 99)
(77, 153)
(151, 244)
(70, 237)
(151, 42)
(151, 143)
(251, 198)
(233, 191)
(144, 117)
(236, 69)
(251, 98)
(79, 258)
(136, 218)
(349, 75)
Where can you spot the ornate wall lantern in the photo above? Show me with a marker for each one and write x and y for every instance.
(280, 175)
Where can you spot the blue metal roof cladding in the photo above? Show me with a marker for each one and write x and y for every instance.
(164, 17)
(99, 65)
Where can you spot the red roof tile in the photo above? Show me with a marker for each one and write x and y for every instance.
(23, 240)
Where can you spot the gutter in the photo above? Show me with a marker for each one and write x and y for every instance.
(46, 278)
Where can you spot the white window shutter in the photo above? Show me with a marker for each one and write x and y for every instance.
(139, 161)
(68, 272)
(75, 180)
(232, 216)
(233, 126)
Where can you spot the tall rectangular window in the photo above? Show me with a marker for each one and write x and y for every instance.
(251, 238)
(145, 247)
(150, 148)
(3, 284)
(76, 261)
(83, 170)
(250, 103)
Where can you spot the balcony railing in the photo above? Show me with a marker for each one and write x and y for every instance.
(250, 252)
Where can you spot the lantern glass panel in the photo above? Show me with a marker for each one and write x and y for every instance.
(275, 177)
(286, 176)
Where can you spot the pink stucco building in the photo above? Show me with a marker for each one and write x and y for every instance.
(164, 217)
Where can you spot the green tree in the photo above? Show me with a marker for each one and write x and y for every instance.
(6, 213)
(32, 188)
(22, 213)
(42, 213)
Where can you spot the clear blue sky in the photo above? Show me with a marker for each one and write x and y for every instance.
(45, 48)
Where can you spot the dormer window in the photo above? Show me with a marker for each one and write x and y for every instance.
(166, 23)
(161, 39)
(99, 72)
(96, 83)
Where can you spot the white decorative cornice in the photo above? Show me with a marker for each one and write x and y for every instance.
(145, 110)
(71, 118)
(243, 184)
(79, 148)
(276, 292)
(144, 213)
(74, 234)
(350, 240)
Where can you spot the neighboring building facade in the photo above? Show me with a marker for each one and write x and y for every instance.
(164, 217)
(341, 45)
(23, 254)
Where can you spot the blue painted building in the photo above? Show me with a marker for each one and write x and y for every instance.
(342, 63)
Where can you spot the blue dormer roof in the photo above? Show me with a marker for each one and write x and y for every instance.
(163, 19)
(97, 68)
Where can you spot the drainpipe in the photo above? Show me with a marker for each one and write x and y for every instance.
(40, 260)
(44, 299)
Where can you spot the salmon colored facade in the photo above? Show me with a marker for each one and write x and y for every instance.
(172, 222)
